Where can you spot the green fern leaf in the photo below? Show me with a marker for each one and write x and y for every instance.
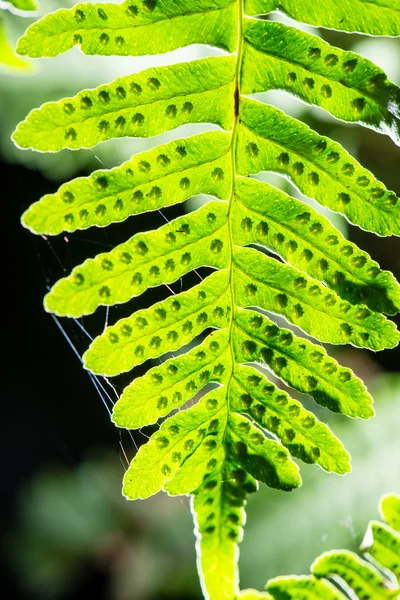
(240, 429)
(23, 5)
(375, 17)
(8, 58)
(355, 577)
(133, 29)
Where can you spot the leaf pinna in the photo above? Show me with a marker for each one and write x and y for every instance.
(269, 254)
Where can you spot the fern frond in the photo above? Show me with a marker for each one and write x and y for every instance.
(8, 58)
(242, 429)
(22, 5)
(356, 577)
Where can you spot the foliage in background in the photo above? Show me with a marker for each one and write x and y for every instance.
(8, 58)
(222, 424)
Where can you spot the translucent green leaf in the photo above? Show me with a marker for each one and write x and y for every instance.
(364, 579)
(166, 326)
(131, 28)
(166, 175)
(303, 588)
(301, 364)
(177, 380)
(254, 595)
(390, 510)
(264, 282)
(177, 439)
(298, 429)
(383, 544)
(376, 17)
(23, 4)
(269, 140)
(308, 241)
(146, 260)
(218, 508)
(140, 105)
(345, 84)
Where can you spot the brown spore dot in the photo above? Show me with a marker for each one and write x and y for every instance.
(86, 102)
(217, 174)
(205, 376)
(162, 402)
(100, 210)
(363, 313)
(286, 338)
(331, 60)
(68, 197)
(350, 65)
(311, 382)
(138, 119)
(186, 258)
(201, 355)
(137, 279)
(120, 41)
(346, 329)
(214, 346)
(377, 192)
(141, 248)
(190, 386)
(316, 228)
(359, 261)
(102, 14)
(279, 238)
(313, 178)
(135, 88)
(172, 336)
(184, 183)
(170, 265)
(101, 182)
(104, 292)
(126, 330)
(176, 457)
(314, 290)
(303, 218)
(132, 10)
(308, 255)
(373, 272)
(216, 246)
(249, 347)
(294, 410)
(120, 91)
(79, 15)
(308, 421)
(279, 363)
(201, 294)
(283, 159)
(332, 240)
(181, 151)
(187, 107)
(291, 78)
(69, 108)
(281, 399)
(149, 5)
(330, 300)
(254, 380)
(316, 356)
(153, 83)
(104, 126)
(246, 224)
(120, 122)
(271, 331)
(344, 198)
(163, 160)
(155, 193)
(315, 453)
(175, 305)
(138, 196)
(155, 341)
(252, 149)
(273, 423)
(188, 445)
(187, 327)
(333, 157)
(320, 146)
(154, 271)
(298, 168)
(113, 338)
(326, 91)
(363, 181)
(104, 97)
(119, 205)
(219, 370)
(314, 52)
(107, 264)
(144, 166)
(172, 369)
(71, 134)
(83, 214)
(309, 83)
(262, 228)
(141, 323)
(160, 313)
(78, 278)
(139, 351)
(358, 104)
(282, 300)
(171, 111)
(202, 318)
(292, 246)
(288, 436)
(323, 265)
(250, 289)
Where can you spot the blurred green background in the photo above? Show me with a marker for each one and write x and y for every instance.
(67, 531)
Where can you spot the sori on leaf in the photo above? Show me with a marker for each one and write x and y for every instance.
(270, 253)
